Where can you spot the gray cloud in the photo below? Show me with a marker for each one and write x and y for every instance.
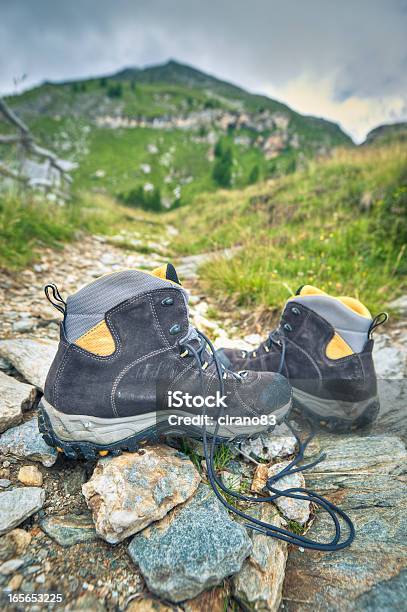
(264, 45)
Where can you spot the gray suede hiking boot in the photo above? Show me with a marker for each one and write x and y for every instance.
(130, 367)
(323, 345)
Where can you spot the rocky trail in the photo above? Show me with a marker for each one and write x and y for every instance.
(65, 526)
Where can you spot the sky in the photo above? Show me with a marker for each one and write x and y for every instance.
(344, 61)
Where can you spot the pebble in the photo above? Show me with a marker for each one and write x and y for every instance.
(30, 475)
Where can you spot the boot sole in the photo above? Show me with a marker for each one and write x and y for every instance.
(76, 435)
(334, 415)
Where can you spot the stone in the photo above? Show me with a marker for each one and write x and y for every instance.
(11, 566)
(199, 546)
(14, 398)
(293, 509)
(297, 510)
(18, 504)
(32, 358)
(147, 604)
(26, 442)
(400, 305)
(4, 483)
(30, 475)
(259, 584)
(23, 325)
(390, 358)
(279, 443)
(365, 476)
(127, 493)
(15, 582)
(14, 543)
(69, 529)
(213, 600)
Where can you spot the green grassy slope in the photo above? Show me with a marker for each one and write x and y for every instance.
(67, 118)
(339, 224)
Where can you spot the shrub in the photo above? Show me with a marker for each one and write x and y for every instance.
(138, 197)
(115, 91)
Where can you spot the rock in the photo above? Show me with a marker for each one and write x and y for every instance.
(30, 475)
(231, 480)
(215, 600)
(147, 604)
(26, 442)
(11, 566)
(199, 546)
(259, 584)
(18, 504)
(400, 305)
(279, 443)
(32, 358)
(365, 476)
(69, 529)
(23, 325)
(14, 543)
(390, 359)
(293, 509)
(14, 397)
(127, 493)
(15, 582)
(4, 483)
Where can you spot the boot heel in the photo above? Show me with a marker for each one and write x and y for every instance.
(336, 417)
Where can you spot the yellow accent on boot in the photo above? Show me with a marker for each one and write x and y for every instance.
(160, 272)
(98, 340)
(337, 348)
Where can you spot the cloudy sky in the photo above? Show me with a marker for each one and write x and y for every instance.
(346, 61)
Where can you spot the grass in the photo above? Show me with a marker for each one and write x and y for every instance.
(338, 224)
(28, 224)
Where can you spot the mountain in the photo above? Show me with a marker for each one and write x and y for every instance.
(162, 134)
(386, 134)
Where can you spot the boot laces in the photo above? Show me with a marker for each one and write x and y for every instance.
(301, 493)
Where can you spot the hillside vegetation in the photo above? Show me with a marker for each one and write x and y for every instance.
(339, 224)
(159, 130)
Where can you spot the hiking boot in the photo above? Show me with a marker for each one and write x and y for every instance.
(126, 346)
(323, 345)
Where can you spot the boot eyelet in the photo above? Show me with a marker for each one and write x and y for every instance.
(296, 311)
(288, 327)
(175, 329)
(168, 301)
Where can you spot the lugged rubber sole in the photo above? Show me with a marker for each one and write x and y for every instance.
(336, 416)
(74, 448)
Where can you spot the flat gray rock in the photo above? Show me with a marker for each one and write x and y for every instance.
(26, 442)
(17, 505)
(365, 476)
(14, 398)
(32, 358)
(199, 545)
(69, 529)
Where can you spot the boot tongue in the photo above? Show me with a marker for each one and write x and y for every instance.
(167, 272)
